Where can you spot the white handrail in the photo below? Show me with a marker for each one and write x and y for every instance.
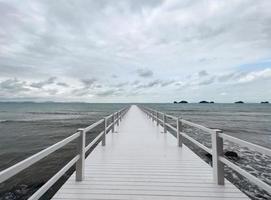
(217, 147)
(250, 177)
(54, 179)
(94, 141)
(15, 169)
(196, 142)
(93, 125)
(249, 145)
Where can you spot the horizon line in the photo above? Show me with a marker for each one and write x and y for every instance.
(234, 102)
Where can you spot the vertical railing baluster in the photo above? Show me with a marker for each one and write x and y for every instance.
(104, 135)
(117, 118)
(164, 123)
(179, 130)
(113, 123)
(80, 164)
(157, 121)
(217, 151)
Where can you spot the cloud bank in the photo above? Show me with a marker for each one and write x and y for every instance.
(125, 51)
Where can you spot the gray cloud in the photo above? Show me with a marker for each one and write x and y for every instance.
(52, 91)
(148, 85)
(106, 93)
(88, 86)
(120, 85)
(154, 83)
(166, 83)
(207, 81)
(233, 76)
(89, 82)
(136, 82)
(202, 73)
(63, 84)
(226, 77)
(13, 86)
(74, 40)
(144, 72)
(41, 84)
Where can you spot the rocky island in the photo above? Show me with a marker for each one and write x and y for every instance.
(239, 102)
(175, 102)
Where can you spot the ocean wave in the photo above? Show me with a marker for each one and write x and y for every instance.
(55, 113)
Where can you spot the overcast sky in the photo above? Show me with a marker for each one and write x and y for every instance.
(135, 50)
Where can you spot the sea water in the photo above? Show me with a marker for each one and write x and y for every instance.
(26, 128)
(249, 122)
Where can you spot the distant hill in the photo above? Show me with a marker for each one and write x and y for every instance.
(203, 102)
(175, 102)
(239, 102)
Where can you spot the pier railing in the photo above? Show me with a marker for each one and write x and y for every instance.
(109, 123)
(217, 138)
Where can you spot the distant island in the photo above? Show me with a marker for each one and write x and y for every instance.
(203, 102)
(180, 102)
(206, 102)
(239, 102)
(212, 102)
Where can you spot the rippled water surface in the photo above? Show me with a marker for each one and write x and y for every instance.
(26, 128)
(249, 122)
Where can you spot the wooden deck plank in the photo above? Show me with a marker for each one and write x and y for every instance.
(139, 161)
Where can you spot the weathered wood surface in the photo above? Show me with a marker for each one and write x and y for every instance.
(139, 161)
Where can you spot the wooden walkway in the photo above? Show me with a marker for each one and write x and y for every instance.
(139, 161)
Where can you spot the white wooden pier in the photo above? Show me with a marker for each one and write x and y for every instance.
(140, 161)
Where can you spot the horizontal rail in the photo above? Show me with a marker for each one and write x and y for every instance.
(79, 159)
(244, 173)
(171, 117)
(94, 141)
(196, 143)
(183, 133)
(208, 130)
(94, 125)
(171, 127)
(109, 127)
(54, 179)
(160, 121)
(216, 151)
(249, 145)
(15, 169)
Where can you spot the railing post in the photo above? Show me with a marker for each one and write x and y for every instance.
(117, 118)
(157, 121)
(104, 135)
(80, 164)
(179, 129)
(164, 123)
(113, 123)
(217, 151)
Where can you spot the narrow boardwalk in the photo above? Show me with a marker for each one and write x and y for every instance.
(141, 162)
